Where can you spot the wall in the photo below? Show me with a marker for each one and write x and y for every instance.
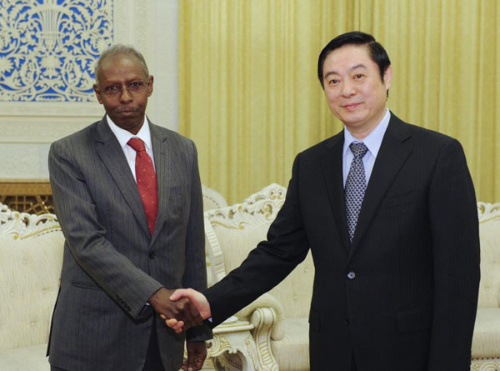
(28, 128)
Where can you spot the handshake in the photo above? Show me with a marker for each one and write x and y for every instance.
(181, 309)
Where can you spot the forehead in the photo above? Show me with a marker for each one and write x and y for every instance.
(346, 58)
(121, 66)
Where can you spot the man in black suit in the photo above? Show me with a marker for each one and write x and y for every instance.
(389, 212)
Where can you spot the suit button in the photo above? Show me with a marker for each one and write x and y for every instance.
(351, 275)
(346, 321)
(151, 255)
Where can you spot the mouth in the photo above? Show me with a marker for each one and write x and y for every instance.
(351, 106)
(127, 110)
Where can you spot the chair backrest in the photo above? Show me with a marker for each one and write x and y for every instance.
(232, 232)
(489, 229)
(212, 199)
(31, 253)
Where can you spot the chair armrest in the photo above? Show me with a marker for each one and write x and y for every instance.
(273, 322)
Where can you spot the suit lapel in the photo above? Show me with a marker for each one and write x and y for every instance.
(111, 154)
(333, 177)
(393, 153)
(162, 164)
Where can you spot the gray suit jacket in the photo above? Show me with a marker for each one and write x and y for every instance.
(112, 265)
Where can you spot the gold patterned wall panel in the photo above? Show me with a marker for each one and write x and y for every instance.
(30, 196)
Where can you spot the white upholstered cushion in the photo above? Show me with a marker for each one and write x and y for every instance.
(486, 341)
(294, 293)
(292, 352)
(489, 289)
(29, 283)
(25, 359)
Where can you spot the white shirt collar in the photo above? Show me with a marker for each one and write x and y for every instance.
(124, 136)
(374, 140)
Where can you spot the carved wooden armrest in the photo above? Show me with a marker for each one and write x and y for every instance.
(263, 319)
(263, 305)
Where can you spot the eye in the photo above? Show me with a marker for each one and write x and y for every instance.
(359, 76)
(333, 82)
(112, 89)
(136, 85)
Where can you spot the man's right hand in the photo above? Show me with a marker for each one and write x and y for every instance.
(197, 298)
(181, 309)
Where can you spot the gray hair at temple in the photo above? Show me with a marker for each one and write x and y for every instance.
(120, 49)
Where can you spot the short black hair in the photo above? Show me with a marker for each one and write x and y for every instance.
(375, 50)
(119, 49)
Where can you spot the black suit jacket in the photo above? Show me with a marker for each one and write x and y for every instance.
(403, 296)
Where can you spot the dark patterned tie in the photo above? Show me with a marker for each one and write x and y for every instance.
(355, 187)
(146, 181)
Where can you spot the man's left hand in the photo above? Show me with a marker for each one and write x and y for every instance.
(196, 354)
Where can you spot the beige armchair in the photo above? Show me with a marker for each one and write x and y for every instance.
(486, 342)
(31, 252)
(279, 318)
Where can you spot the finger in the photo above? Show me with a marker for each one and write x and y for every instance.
(179, 293)
(193, 321)
(185, 313)
(200, 359)
(171, 322)
(174, 324)
(199, 363)
(191, 362)
(179, 327)
(190, 314)
(193, 314)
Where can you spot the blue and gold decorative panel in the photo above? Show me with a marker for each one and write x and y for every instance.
(48, 48)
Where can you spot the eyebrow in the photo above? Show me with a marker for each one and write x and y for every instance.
(361, 65)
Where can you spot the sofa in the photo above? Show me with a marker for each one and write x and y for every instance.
(31, 249)
(31, 252)
(280, 316)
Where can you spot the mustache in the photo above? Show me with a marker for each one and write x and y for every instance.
(126, 109)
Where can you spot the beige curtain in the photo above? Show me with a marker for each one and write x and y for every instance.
(250, 99)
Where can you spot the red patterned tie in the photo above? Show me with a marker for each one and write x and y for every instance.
(146, 181)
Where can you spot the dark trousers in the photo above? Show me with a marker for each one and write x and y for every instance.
(353, 364)
(153, 359)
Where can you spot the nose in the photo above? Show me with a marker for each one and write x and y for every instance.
(125, 95)
(348, 88)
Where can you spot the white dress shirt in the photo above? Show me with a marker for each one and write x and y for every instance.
(124, 136)
(373, 142)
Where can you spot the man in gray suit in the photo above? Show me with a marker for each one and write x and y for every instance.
(127, 246)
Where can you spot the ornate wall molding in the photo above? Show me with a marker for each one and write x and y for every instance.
(48, 48)
(29, 127)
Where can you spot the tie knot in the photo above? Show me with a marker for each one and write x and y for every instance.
(137, 144)
(358, 149)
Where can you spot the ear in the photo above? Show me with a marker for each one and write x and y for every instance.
(150, 85)
(388, 77)
(97, 92)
